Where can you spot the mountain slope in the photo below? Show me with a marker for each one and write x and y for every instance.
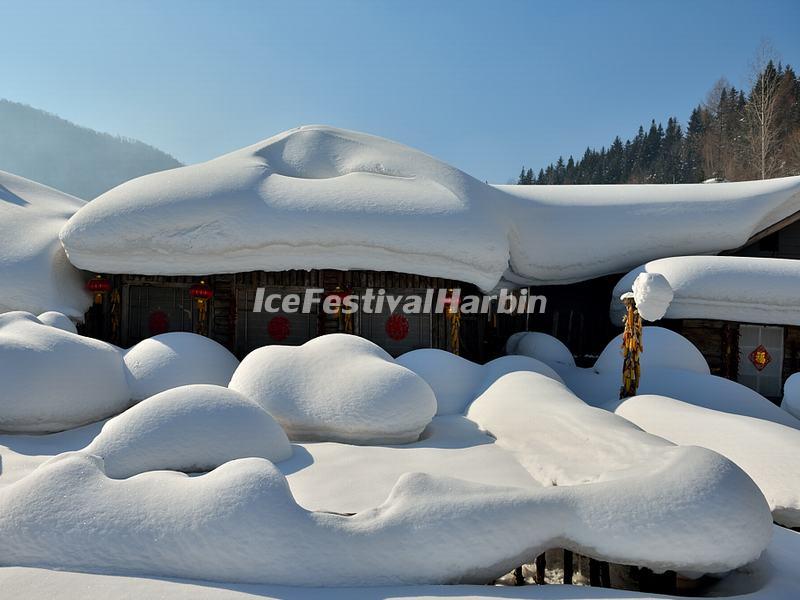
(74, 159)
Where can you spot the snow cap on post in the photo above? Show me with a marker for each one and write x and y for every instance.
(652, 294)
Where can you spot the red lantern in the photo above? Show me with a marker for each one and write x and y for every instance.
(158, 322)
(397, 327)
(279, 328)
(98, 286)
(201, 291)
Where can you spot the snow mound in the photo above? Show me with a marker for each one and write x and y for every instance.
(58, 320)
(36, 274)
(728, 288)
(457, 381)
(321, 197)
(766, 451)
(652, 294)
(540, 346)
(337, 387)
(191, 428)
(53, 379)
(174, 359)
(661, 348)
(791, 395)
(674, 514)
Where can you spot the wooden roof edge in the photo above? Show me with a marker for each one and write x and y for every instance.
(757, 237)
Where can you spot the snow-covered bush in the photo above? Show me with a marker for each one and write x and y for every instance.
(791, 395)
(457, 381)
(170, 360)
(53, 379)
(59, 320)
(190, 428)
(661, 348)
(652, 294)
(540, 346)
(337, 387)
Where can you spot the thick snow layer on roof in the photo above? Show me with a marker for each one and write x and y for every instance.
(728, 288)
(766, 451)
(35, 274)
(320, 197)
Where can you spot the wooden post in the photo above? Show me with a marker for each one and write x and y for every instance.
(541, 564)
(631, 348)
(594, 573)
(605, 575)
(568, 568)
(518, 578)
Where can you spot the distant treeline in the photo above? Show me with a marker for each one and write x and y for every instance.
(77, 160)
(735, 135)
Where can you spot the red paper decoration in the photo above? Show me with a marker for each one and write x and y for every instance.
(279, 328)
(397, 327)
(760, 358)
(158, 322)
(201, 291)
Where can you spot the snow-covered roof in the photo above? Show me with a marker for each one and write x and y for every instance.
(319, 197)
(729, 288)
(35, 274)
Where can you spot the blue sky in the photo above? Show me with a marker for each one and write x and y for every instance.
(485, 86)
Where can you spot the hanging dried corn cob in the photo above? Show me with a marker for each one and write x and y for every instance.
(631, 348)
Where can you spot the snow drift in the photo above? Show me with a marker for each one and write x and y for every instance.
(54, 379)
(764, 450)
(729, 288)
(540, 346)
(191, 428)
(456, 381)
(791, 395)
(174, 359)
(59, 320)
(661, 348)
(35, 273)
(337, 387)
(320, 197)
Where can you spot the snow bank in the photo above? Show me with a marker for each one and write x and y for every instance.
(53, 379)
(674, 514)
(652, 294)
(729, 288)
(58, 320)
(35, 273)
(457, 381)
(170, 360)
(540, 346)
(337, 387)
(766, 451)
(320, 197)
(661, 348)
(791, 395)
(191, 428)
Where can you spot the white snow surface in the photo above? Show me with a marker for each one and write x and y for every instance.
(659, 506)
(337, 387)
(191, 428)
(321, 197)
(661, 348)
(652, 294)
(791, 395)
(54, 379)
(764, 450)
(456, 381)
(728, 288)
(174, 359)
(540, 346)
(59, 320)
(35, 274)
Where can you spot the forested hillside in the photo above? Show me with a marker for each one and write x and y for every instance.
(735, 135)
(77, 160)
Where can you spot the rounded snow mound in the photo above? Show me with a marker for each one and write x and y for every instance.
(791, 395)
(456, 381)
(652, 294)
(58, 320)
(191, 429)
(53, 379)
(170, 360)
(540, 346)
(661, 348)
(337, 387)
